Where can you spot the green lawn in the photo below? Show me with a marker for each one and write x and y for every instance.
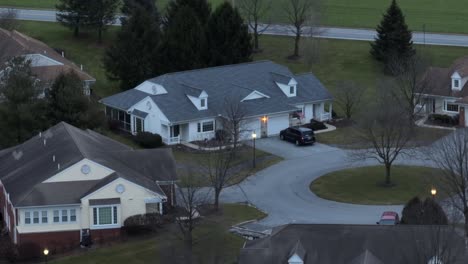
(437, 15)
(212, 238)
(363, 185)
(346, 137)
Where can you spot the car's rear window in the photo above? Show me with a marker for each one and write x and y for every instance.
(308, 133)
(387, 222)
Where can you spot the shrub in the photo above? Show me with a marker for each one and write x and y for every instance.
(445, 119)
(221, 135)
(427, 212)
(140, 224)
(114, 125)
(315, 125)
(29, 251)
(148, 140)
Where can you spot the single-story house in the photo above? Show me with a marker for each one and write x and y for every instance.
(189, 105)
(356, 244)
(67, 184)
(447, 91)
(46, 63)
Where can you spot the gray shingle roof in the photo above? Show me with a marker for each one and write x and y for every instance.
(25, 167)
(352, 244)
(224, 82)
(139, 113)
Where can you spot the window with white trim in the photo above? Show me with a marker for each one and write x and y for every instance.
(203, 103)
(456, 83)
(291, 90)
(72, 215)
(450, 107)
(64, 216)
(36, 217)
(27, 218)
(105, 215)
(44, 217)
(207, 126)
(56, 216)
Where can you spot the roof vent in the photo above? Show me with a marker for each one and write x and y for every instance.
(58, 166)
(53, 158)
(40, 134)
(63, 54)
(81, 66)
(45, 142)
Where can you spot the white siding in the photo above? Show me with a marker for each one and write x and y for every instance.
(74, 173)
(155, 116)
(308, 112)
(251, 125)
(277, 123)
(50, 226)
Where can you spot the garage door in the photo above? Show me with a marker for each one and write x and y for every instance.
(277, 123)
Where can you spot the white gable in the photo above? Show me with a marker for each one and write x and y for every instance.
(200, 102)
(255, 95)
(295, 259)
(290, 89)
(84, 170)
(151, 88)
(38, 60)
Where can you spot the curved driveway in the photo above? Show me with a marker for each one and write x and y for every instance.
(282, 190)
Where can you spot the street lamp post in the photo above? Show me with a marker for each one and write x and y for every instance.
(46, 253)
(254, 136)
(433, 192)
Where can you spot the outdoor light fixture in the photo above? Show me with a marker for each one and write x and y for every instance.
(254, 136)
(264, 119)
(46, 253)
(433, 191)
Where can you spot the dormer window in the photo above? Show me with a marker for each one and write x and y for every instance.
(292, 90)
(203, 103)
(456, 83)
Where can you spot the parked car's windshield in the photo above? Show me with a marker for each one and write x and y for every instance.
(387, 222)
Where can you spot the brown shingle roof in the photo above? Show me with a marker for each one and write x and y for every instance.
(439, 80)
(14, 43)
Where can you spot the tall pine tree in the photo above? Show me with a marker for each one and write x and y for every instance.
(183, 42)
(134, 57)
(201, 8)
(393, 40)
(73, 14)
(229, 41)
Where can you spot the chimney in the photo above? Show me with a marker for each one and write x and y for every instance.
(63, 54)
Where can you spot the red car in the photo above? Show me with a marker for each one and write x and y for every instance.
(389, 218)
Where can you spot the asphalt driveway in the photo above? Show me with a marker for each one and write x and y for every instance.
(282, 190)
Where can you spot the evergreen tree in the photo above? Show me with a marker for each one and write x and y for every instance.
(129, 6)
(201, 8)
(73, 14)
(229, 41)
(22, 113)
(429, 212)
(393, 37)
(133, 57)
(66, 99)
(101, 13)
(183, 43)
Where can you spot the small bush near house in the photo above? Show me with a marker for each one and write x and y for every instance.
(28, 251)
(444, 120)
(148, 140)
(315, 125)
(140, 224)
(221, 135)
(114, 125)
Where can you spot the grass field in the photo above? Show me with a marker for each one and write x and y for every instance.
(363, 185)
(436, 15)
(212, 237)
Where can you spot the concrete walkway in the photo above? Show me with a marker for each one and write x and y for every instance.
(282, 190)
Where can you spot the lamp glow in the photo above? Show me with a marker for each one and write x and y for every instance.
(254, 135)
(46, 252)
(433, 191)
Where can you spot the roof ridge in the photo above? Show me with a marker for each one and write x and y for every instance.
(217, 67)
(68, 130)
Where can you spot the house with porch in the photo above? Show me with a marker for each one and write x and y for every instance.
(447, 91)
(190, 105)
(46, 62)
(68, 185)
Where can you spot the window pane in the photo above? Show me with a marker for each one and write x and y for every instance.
(115, 215)
(27, 217)
(36, 217)
(105, 215)
(291, 89)
(202, 103)
(44, 216)
(95, 216)
(64, 215)
(198, 127)
(452, 107)
(72, 215)
(56, 216)
(208, 126)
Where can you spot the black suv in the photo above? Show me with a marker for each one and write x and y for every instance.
(298, 135)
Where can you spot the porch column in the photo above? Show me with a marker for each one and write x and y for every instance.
(330, 109)
(161, 208)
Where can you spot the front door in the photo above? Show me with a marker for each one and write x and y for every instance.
(175, 131)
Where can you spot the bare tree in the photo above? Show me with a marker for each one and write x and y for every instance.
(254, 11)
(233, 119)
(190, 196)
(348, 97)
(451, 155)
(412, 83)
(8, 19)
(298, 12)
(381, 129)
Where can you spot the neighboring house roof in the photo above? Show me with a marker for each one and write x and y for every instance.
(353, 244)
(439, 80)
(14, 43)
(25, 167)
(230, 82)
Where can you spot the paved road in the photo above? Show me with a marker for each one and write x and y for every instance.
(283, 191)
(285, 30)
